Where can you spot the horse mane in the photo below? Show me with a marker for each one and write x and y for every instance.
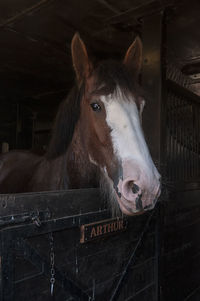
(65, 122)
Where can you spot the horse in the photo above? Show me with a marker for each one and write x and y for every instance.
(97, 137)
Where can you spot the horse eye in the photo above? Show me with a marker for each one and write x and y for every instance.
(95, 106)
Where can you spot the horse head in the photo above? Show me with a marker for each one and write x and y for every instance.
(110, 121)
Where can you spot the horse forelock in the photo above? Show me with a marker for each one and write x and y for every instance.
(110, 76)
(67, 116)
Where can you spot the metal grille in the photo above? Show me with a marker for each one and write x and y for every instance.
(177, 76)
(183, 131)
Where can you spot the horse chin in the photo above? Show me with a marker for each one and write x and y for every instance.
(126, 207)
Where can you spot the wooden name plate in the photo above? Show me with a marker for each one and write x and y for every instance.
(102, 229)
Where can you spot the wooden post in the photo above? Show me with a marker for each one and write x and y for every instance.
(154, 118)
(153, 76)
(5, 147)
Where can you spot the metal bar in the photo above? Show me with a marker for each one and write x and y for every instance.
(198, 142)
(182, 139)
(158, 249)
(175, 137)
(184, 142)
(170, 135)
(1, 268)
(178, 137)
(193, 139)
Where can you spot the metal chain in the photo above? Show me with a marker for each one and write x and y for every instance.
(52, 264)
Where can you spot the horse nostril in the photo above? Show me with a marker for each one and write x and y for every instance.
(135, 188)
(138, 202)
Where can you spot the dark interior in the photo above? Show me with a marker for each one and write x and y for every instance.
(36, 70)
(35, 75)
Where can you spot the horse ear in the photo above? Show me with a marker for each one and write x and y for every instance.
(133, 57)
(81, 63)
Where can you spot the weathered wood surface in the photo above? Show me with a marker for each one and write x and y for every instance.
(95, 267)
(181, 247)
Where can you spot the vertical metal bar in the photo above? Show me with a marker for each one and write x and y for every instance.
(185, 139)
(172, 129)
(17, 126)
(186, 144)
(155, 114)
(158, 250)
(178, 138)
(194, 142)
(182, 140)
(191, 140)
(194, 139)
(1, 270)
(198, 146)
(197, 140)
(168, 146)
(175, 140)
(169, 129)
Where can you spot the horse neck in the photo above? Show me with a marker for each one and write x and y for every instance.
(81, 172)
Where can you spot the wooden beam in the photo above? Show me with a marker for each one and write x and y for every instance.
(142, 10)
(131, 12)
(41, 42)
(109, 6)
(50, 93)
(24, 12)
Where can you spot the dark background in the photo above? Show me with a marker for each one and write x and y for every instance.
(35, 60)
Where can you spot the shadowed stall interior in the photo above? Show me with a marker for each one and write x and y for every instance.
(35, 76)
(36, 71)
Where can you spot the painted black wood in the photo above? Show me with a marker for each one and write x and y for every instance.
(181, 247)
(89, 271)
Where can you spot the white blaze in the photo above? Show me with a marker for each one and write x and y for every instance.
(123, 118)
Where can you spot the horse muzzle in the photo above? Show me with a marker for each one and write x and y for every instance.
(135, 197)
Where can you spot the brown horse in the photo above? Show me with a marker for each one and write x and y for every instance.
(97, 135)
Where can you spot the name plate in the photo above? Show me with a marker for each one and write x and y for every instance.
(102, 229)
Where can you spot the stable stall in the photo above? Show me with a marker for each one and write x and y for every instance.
(67, 245)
